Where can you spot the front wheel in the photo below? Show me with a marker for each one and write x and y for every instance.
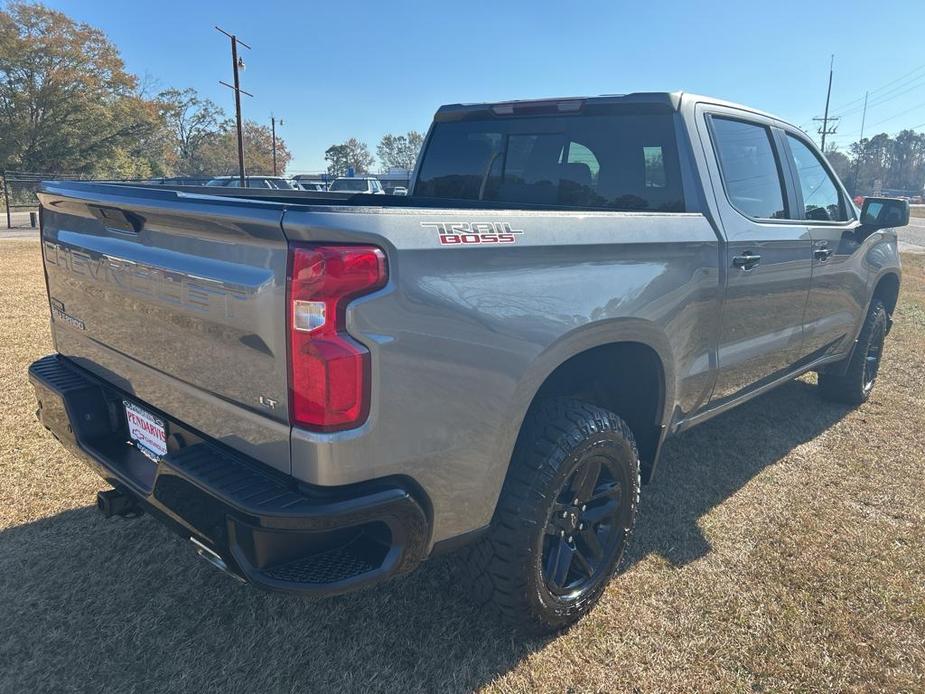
(564, 519)
(853, 384)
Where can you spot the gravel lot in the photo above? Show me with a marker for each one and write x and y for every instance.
(782, 548)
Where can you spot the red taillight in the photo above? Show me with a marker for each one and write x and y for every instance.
(328, 370)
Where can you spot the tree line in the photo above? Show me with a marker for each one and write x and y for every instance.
(393, 151)
(69, 106)
(894, 163)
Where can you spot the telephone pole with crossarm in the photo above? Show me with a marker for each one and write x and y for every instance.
(237, 65)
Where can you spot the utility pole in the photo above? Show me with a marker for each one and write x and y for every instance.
(857, 164)
(824, 130)
(273, 130)
(864, 114)
(237, 64)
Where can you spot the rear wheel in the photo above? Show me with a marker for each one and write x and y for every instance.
(853, 383)
(564, 518)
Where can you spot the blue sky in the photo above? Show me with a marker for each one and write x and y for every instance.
(354, 68)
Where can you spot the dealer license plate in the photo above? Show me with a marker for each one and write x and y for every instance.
(147, 431)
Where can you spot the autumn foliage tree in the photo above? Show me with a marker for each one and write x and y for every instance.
(219, 154)
(68, 105)
(66, 101)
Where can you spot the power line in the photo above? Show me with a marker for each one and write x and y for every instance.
(881, 88)
(898, 91)
(873, 103)
(901, 113)
(894, 132)
(893, 92)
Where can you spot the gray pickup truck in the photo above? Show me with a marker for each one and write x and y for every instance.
(321, 392)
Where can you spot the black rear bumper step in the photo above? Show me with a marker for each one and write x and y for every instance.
(266, 527)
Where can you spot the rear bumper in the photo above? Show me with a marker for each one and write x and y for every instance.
(266, 527)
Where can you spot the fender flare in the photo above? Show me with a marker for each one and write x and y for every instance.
(573, 343)
(841, 367)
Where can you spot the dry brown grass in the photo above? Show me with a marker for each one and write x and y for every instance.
(781, 548)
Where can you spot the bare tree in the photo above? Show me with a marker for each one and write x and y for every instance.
(193, 123)
(399, 151)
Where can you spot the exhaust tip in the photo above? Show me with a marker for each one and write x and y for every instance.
(214, 559)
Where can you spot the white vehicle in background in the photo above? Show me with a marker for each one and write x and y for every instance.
(399, 190)
(267, 182)
(312, 182)
(357, 184)
(313, 186)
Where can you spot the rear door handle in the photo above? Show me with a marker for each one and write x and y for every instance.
(746, 261)
(822, 254)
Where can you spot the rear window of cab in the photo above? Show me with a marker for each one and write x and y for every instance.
(623, 162)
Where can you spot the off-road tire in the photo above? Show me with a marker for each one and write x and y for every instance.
(850, 384)
(505, 567)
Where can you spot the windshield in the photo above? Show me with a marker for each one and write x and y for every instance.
(614, 162)
(352, 185)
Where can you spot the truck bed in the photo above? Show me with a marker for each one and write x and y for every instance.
(177, 297)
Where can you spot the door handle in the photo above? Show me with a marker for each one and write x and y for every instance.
(746, 261)
(822, 254)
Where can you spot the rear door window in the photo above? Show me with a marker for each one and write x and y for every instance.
(610, 162)
(749, 167)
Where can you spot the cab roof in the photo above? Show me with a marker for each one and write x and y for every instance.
(647, 101)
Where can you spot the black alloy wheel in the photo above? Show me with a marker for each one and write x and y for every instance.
(564, 518)
(583, 529)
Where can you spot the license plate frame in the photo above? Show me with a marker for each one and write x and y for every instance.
(146, 431)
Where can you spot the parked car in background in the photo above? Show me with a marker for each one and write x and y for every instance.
(272, 182)
(179, 181)
(314, 186)
(399, 190)
(312, 182)
(357, 184)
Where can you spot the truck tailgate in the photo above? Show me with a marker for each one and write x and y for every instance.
(177, 299)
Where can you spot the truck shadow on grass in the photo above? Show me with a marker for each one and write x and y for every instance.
(120, 605)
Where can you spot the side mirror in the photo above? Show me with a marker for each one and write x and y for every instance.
(883, 213)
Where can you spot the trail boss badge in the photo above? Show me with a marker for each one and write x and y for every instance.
(474, 233)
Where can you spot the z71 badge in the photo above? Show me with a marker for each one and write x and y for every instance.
(474, 233)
